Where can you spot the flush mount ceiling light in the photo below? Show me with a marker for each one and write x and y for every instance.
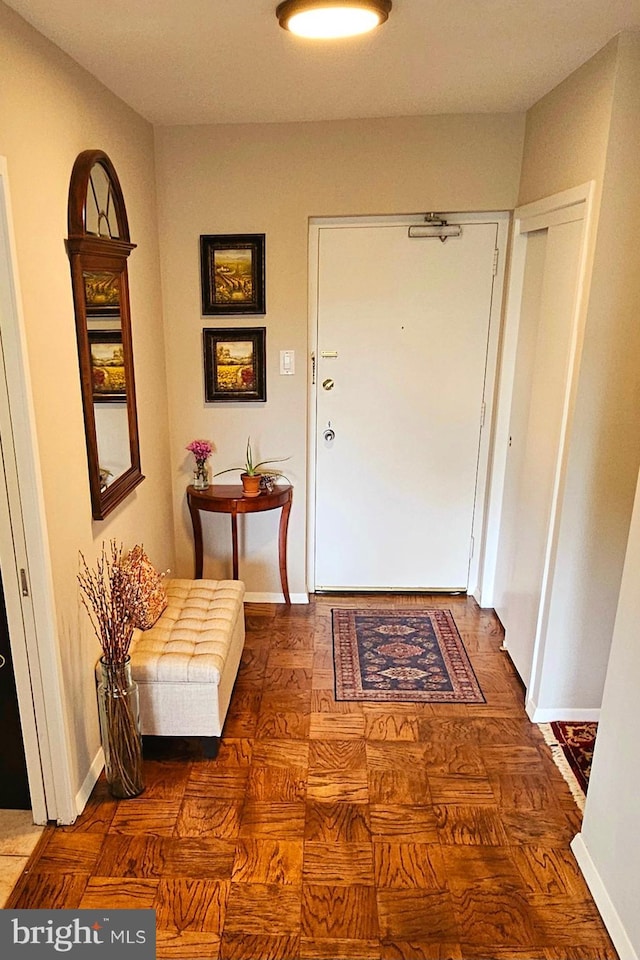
(328, 19)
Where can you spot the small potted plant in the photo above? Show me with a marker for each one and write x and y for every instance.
(252, 474)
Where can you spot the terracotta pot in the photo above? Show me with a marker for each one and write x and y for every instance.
(250, 485)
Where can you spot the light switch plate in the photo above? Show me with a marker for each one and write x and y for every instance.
(287, 363)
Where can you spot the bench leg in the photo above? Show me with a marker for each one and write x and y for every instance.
(210, 745)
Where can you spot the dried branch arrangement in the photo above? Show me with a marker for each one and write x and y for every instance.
(111, 597)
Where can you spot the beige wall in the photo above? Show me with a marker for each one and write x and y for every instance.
(271, 179)
(608, 847)
(567, 131)
(587, 128)
(51, 109)
(610, 832)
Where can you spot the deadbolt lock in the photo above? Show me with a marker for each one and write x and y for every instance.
(328, 384)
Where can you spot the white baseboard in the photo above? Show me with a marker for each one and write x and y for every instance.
(608, 912)
(275, 598)
(548, 714)
(89, 782)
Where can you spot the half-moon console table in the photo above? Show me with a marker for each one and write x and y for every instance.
(230, 499)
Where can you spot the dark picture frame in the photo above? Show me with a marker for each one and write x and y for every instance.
(235, 364)
(108, 370)
(102, 293)
(232, 274)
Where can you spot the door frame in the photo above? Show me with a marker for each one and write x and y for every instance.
(24, 555)
(574, 203)
(502, 220)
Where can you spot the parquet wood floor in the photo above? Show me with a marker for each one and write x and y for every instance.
(341, 831)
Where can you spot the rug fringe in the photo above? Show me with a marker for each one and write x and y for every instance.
(562, 764)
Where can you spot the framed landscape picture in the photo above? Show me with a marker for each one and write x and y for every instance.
(108, 375)
(234, 364)
(102, 293)
(232, 274)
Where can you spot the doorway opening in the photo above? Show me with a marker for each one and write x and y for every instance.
(24, 560)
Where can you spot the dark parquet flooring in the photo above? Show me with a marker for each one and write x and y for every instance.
(327, 831)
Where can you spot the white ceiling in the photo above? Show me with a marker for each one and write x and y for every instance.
(228, 61)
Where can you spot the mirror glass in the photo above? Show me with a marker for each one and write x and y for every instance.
(101, 212)
(98, 247)
(108, 374)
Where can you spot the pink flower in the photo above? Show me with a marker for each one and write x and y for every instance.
(201, 449)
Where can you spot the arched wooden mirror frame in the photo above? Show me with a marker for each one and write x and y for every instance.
(99, 244)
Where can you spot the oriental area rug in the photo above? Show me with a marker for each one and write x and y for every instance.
(401, 655)
(572, 744)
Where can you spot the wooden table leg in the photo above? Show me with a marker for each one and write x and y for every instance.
(197, 538)
(234, 543)
(282, 549)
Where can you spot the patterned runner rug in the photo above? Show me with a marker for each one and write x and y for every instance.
(572, 746)
(401, 655)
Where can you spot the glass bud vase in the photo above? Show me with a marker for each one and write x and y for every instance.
(201, 475)
(120, 729)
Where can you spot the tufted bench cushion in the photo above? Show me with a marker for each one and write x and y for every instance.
(186, 664)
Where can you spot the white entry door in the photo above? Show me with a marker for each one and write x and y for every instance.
(403, 327)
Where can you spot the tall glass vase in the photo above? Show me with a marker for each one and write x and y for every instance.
(120, 729)
(201, 475)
